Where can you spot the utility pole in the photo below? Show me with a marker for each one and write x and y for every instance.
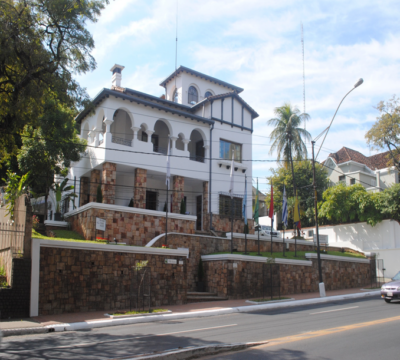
(321, 283)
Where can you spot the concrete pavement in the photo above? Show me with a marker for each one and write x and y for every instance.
(78, 321)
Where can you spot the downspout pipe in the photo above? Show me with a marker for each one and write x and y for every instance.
(210, 174)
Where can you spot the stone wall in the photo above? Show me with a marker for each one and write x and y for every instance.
(109, 179)
(204, 245)
(14, 301)
(73, 280)
(178, 186)
(95, 179)
(245, 281)
(131, 228)
(222, 223)
(139, 192)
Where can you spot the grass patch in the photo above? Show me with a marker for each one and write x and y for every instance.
(3, 275)
(65, 235)
(151, 311)
(300, 254)
(273, 299)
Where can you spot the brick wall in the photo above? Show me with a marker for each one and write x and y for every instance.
(133, 229)
(178, 186)
(14, 301)
(245, 280)
(139, 192)
(73, 280)
(109, 179)
(95, 177)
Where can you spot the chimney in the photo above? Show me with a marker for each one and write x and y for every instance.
(116, 75)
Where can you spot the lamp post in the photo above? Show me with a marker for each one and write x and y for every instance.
(321, 283)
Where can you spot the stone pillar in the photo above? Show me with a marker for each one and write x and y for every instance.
(178, 186)
(83, 190)
(139, 192)
(94, 183)
(108, 182)
(206, 215)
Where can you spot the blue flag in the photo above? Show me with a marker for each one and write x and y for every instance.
(284, 208)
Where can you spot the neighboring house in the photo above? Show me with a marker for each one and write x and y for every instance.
(351, 167)
(203, 120)
(261, 198)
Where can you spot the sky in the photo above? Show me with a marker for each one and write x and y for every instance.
(256, 45)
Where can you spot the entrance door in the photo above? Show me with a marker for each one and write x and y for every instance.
(198, 211)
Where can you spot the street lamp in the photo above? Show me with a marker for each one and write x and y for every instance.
(321, 283)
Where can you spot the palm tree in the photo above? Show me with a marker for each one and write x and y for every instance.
(288, 137)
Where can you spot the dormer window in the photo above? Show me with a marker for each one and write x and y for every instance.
(207, 94)
(193, 95)
(175, 97)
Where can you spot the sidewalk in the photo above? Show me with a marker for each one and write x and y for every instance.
(45, 322)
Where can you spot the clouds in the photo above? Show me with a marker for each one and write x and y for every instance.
(255, 44)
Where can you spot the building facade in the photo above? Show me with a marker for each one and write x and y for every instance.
(202, 120)
(351, 167)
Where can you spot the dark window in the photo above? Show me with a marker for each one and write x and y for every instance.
(175, 99)
(199, 155)
(225, 206)
(193, 97)
(352, 181)
(144, 136)
(208, 93)
(151, 200)
(226, 148)
(342, 178)
(154, 140)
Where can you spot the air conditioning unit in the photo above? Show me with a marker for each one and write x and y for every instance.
(310, 233)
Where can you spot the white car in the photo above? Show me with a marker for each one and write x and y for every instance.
(266, 231)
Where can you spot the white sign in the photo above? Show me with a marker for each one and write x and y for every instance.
(100, 224)
(323, 239)
(170, 261)
(180, 262)
(235, 265)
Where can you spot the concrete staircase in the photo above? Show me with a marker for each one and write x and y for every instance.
(195, 297)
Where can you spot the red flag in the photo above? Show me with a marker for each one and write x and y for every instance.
(271, 204)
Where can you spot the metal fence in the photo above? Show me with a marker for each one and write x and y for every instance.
(271, 283)
(12, 237)
(377, 273)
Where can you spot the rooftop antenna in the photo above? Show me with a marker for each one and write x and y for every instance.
(304, 76)
(176, 42)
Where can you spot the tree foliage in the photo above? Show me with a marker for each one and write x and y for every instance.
(344, 204)
(385, 133)
(42, 42)
(287, 134)
(282, 176)
(388, 202)
(15, 187)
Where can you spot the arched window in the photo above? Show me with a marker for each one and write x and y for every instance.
(193, 97)
(208, 93)
(175, 98)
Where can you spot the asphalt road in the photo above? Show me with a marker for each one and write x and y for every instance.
(337, 330)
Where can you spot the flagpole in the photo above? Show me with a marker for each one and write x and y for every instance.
(231, 191)
(258, 221)
(166, 219)
(245, 215)
(284, 241)
(271, 213)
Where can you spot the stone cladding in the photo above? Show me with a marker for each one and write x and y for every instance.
(95, 177)
(84, 191)
(73, 280)
(139, 192)
(245, 281)
(222, 223)
(178, 186)
(133, 229)
(204, 245)
(108, 182)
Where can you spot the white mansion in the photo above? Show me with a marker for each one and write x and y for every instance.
(204, 120)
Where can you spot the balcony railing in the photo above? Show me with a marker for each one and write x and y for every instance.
(197, 158)
(121, 141)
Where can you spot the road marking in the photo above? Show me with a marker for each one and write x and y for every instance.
(119, 340)
(319, 333)
(323, 312)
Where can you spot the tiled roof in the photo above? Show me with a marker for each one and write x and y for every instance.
(201, 75)
(378, 161)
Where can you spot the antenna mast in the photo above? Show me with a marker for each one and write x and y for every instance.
(304, 76)
(176, 46)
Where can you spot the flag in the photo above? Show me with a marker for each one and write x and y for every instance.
(297, 213)
(244, 211)
(271, 204)
(256, 207)
(232, 177)
(284, 208)
(168, 179)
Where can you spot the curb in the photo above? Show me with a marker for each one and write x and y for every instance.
(195, 351)
(194, 314)
(269, 302)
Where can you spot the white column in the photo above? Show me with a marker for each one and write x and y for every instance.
(185, 142)
(173, 139)
(206, 152)
(149, 133)
(107, 135)
(135, 132)
(96, 136)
